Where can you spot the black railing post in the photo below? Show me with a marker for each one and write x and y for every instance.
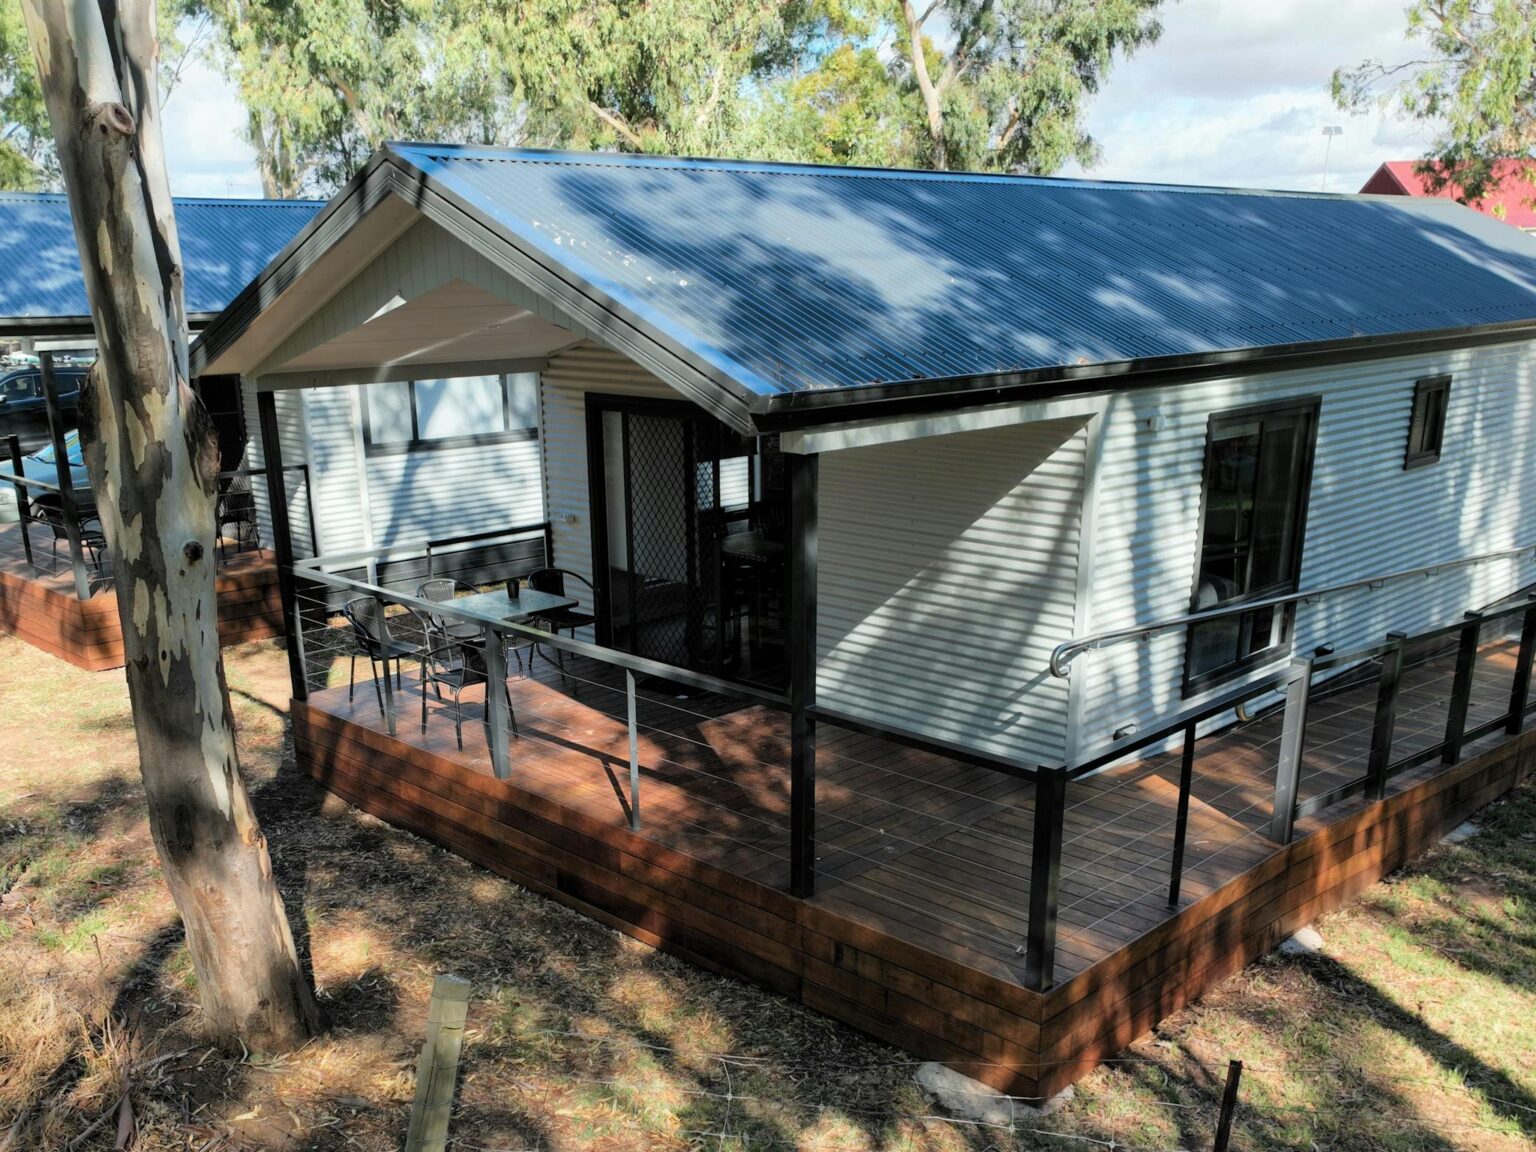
(1045, 879)
(282, 540)
(1379, 766)
(803, 472)
(1520, 687)
(498, 716)
(1181, 823)
(1293, 740)
(1461, 687)
(67, 507)
(23, 501)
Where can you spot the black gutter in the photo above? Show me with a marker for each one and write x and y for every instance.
(12, 327)
(791, 411)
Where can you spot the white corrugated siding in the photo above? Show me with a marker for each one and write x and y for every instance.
(455, 491)
(947, 572)
(290, 426)
(563, 389)
(1366, 515)
(341, 512)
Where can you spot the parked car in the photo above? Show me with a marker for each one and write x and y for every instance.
(21, 395)
(39, 465)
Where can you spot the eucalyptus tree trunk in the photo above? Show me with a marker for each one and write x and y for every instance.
(153, 466)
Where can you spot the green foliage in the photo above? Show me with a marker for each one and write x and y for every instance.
(26, 145)
(1474, 80)
(325, 82)
(1009, 93)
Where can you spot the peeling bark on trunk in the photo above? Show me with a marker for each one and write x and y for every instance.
(153, 466)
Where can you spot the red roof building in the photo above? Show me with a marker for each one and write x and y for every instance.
(1511, 202)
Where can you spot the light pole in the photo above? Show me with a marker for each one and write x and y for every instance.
(1330, 132)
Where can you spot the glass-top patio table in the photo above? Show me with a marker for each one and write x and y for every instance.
(499, 606)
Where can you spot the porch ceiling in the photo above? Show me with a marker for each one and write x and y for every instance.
(457, 322)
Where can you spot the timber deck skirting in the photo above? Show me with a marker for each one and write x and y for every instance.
(45, 612)
(864, 969)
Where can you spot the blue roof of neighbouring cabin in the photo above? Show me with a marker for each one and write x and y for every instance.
(224, 245)
(816, 277)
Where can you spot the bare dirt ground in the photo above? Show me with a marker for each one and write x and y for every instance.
(1415, 1030)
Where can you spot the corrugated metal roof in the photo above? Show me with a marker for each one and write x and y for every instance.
(791, 278)
(224, 245)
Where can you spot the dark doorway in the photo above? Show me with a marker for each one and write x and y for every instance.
(1258, 471)
(688, 538)
(221, 398)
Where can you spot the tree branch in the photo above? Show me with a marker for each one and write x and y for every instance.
(925, 86)
(616, 122)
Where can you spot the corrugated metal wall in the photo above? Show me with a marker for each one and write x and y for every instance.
(948, 570)
(562, 400)
(290, 424)
(1366, 516)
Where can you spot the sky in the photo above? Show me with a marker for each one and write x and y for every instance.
(1235, 93)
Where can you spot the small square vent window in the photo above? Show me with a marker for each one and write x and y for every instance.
(1426, 429)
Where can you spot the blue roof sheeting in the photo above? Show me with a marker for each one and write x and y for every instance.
(790, 279)
(224, 245)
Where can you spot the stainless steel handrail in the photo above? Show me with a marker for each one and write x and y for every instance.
(639, 665)
(1063, 654)
(10, 478)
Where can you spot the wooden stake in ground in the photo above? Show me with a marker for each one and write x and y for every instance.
(153, 467)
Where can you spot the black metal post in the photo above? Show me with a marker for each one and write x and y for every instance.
(803, 475)
(282, 540)
(1520, 687)
(1380, 763)
(67, 508)
(23, 501)
(1293, 739)
(1461, 687)
(1228, 1106)
(1181, 824)
(1045, 879)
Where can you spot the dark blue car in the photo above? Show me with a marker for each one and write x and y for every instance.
(21, 395)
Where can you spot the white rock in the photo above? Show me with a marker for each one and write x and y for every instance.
(970, 1099)
(1306, 942)
(1459, 833)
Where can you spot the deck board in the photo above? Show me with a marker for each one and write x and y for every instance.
(924, 863)
(38, 603)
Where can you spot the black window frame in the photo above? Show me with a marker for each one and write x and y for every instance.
(416, 443)
(1426, 443)
(1309, 408)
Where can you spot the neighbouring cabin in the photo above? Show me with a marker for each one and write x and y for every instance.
(56, 585)
(896, 588)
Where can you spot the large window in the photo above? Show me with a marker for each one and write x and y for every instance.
(427, 414)
(1258, 464)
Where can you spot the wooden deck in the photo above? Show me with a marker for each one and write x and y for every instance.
(38, 602)
(916, 931)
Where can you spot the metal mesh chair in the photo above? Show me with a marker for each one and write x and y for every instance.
(442, 590)
(449, 666)
(371, 638)
(92, 539)
(237, 506)
(554, 582)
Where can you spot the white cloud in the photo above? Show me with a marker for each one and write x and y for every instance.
(203, 146)
(1236, 93)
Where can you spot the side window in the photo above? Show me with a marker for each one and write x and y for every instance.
(1258, 468)
(427, 414)
(1426, 426)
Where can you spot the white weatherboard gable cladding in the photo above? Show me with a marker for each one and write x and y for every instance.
(947, 572)
(1366, 515)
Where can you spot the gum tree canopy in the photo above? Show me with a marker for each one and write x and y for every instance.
(153, 467)
(1471, 75)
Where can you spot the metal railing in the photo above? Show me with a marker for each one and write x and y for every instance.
(1064, 653)
(1287, 805)
(96, 576)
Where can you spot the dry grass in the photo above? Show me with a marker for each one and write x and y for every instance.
(1413, 1032)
